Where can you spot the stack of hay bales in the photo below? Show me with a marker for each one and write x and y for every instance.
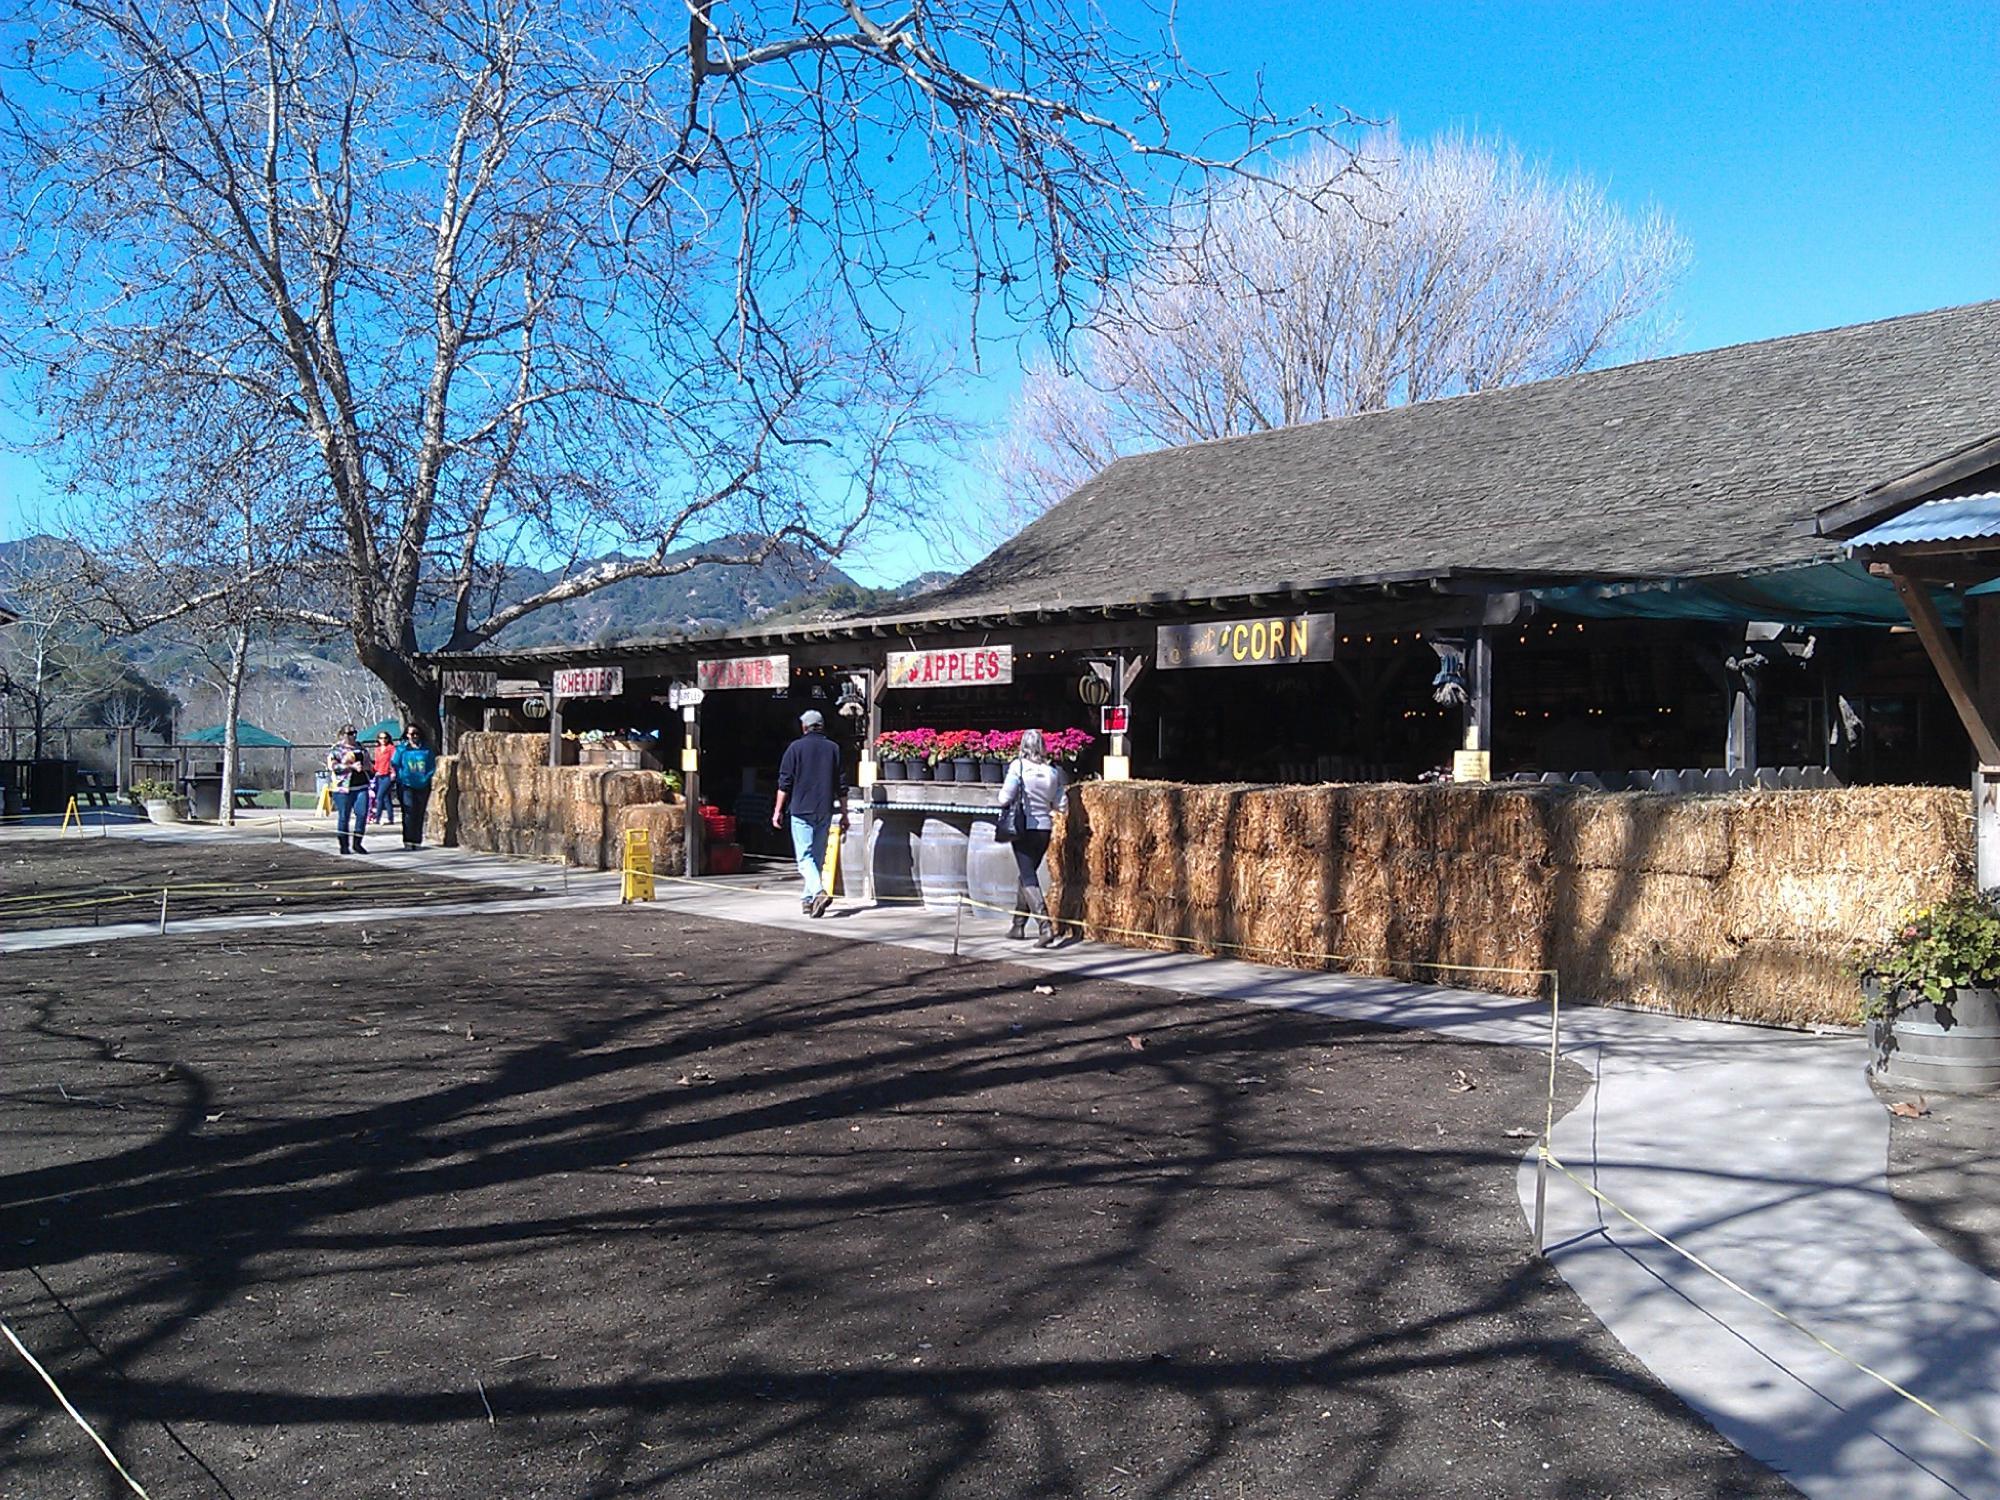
(510, 801)
(666, 825)
(441, 817)
(1751, 904)
(1440, 883)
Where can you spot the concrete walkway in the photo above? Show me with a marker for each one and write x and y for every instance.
(1763, 1152)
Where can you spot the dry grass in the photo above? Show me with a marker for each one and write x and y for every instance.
(504, 798)
(1750, 905)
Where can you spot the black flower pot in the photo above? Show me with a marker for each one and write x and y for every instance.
(895, 770)
(919, 771)
(965, 768)
(992, 772)
(945, 770)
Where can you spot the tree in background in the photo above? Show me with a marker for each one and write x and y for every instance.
(550, 281)
(1462, 267)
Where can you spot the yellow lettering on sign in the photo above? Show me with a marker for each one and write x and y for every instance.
(1237, 638)
(1299, 634)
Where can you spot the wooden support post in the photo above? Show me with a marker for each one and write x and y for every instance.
(1966, 698)
(691, 787)
(1739, 751)
(555, 730)
(1479, 689)
(876, 679)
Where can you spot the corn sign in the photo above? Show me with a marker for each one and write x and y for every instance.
(638, 866)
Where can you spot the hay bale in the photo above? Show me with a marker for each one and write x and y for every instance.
(1653, 831)
(666, 824)
(1839, 866)
(482, 747)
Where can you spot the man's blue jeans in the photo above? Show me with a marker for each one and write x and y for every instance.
(809, 846)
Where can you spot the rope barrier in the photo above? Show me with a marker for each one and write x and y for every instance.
(75, 1415)
(1545, 1154)
(1777, 1312)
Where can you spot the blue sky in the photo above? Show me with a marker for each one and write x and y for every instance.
(1830, 163)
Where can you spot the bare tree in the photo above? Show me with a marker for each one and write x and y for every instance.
(534, 281)
(1462, 267)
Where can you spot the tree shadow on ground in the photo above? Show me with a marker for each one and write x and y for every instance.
(697, 1209)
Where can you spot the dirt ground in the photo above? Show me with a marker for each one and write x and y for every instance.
(1944, 1169)
(628, 1203)
(81, 882)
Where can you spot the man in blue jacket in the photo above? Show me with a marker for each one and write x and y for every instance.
(808, 782)
(415, 764)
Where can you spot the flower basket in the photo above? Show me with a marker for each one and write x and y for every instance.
(1931, 997)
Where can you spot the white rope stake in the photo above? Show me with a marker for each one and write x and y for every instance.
(75, 1415)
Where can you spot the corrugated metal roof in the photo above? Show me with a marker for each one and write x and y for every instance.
(1965, 518)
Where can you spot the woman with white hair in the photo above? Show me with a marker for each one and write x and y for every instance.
(1036, 788)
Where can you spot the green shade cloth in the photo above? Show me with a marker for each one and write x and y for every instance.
(391, 727)
(1826, 594)
(248, 736)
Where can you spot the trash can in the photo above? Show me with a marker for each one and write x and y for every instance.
(205, 797)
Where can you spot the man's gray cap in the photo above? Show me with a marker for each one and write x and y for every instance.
(812, 718)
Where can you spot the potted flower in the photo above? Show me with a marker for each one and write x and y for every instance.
(996, 748)
(892, 751)
(1066, 746)
(917, 746)
(1931, 997)
(161, 801)
(952, 755)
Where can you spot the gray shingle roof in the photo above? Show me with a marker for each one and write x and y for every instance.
(1701, 464)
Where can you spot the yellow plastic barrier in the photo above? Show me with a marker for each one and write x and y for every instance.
(638, 882)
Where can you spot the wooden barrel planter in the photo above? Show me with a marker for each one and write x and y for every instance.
(892, 856)
(1952, 1047)
(941, 863)
(991, 876)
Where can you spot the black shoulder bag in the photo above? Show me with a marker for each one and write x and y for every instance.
(1008, 824)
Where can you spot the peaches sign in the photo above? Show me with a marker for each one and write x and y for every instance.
(964, 666)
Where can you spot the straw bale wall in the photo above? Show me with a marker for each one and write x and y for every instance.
(506, 799)
(1749, 904)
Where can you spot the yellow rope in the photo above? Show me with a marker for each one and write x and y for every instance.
(1777, 1312)
(1544, 1149)
(75, 1415)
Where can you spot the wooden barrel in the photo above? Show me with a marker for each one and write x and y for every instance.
(1952, 1048)
(990, 874)
(941, 863)
(892, 856)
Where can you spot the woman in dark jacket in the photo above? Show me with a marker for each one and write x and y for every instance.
(347, 769)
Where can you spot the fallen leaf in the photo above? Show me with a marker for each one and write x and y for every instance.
(1461, 1082)
(1045, 989)
(1518, 1134)
(1908, 1110)
(1136, 1043)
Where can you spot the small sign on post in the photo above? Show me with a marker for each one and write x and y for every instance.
(1114, 719)
(1472, 765)
(458, 684)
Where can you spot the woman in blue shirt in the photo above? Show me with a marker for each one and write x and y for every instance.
(415, 765)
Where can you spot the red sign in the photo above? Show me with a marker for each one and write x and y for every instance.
(964, 666)
(743, 672)
(1115, 720)
(589, 682)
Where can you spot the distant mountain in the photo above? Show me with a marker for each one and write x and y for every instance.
(709, 597)
(792, 585)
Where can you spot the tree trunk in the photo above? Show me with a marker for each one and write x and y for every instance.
(232, 703)
(415, 691)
